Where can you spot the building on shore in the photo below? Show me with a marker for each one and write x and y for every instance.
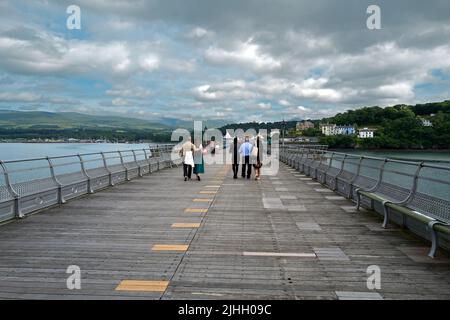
(303, 125)
(426, 122)
(334, 130)
(366, 133)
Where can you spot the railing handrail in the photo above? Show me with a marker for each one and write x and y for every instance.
(44, 158)
(427, 163)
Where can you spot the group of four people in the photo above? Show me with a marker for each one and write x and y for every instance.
(247, 153)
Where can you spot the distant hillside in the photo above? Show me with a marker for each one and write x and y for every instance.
(71, 120)
(47, 125)
(63, 125)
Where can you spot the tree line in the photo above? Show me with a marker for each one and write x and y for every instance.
(398, 127)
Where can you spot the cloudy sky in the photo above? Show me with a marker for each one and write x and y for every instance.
(239, 60)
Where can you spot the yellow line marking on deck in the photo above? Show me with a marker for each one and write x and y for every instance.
(202, 200)
(142, 285)
(185, 225)
(208, 192)
(196, 210)
(170, 247)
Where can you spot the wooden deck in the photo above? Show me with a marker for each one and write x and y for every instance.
(158, 237)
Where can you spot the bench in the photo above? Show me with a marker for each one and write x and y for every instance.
(323, 164)
(347, 176)
(309, 161)
(395, 185)
(335, 168)
(421, 193)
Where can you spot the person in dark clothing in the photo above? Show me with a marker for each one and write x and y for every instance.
(235, 160)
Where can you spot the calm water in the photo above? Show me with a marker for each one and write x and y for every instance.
(10, 151)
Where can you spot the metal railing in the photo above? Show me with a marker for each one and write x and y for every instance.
(421, 187)
(29, 185)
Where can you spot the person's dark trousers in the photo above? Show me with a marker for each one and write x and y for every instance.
(248, 165)
(187, 170)
(235, 170)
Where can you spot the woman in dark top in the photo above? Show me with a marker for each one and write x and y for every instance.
(258, 164)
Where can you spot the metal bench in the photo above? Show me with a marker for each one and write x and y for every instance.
(430, 202)
(298, 161)
(324, 166)
(395, 184)
(335, 168)
(415, 194)
(369, 173)
(347, 176)
(309, 161)
(301, 162)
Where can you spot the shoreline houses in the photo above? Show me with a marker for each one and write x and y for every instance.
(366, 133)
(334, 130)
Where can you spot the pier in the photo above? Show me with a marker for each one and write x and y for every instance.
(285, 236)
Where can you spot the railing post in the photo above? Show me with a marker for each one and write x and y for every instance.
(11, 191)
(83, 169)
(415, 181)
(52, 172)
(331, 162)
(341, 169)
(123, 165)
(158, 158)
(380, 176)
(139, 167)
(111, 182)
(151, 155)
(358, 171)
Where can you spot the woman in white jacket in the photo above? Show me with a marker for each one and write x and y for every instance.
(187, 153)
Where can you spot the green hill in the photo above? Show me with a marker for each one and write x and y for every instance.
(71, 120)
(49, 125)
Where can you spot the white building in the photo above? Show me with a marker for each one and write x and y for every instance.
(333, 130)
(426, 123)
(327, 129)
(366, 133)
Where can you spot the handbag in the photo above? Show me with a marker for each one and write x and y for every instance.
(255, 152)
(189, 158)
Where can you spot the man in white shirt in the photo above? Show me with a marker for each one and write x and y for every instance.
(246, 151)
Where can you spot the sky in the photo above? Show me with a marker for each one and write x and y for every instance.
(231, 60)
